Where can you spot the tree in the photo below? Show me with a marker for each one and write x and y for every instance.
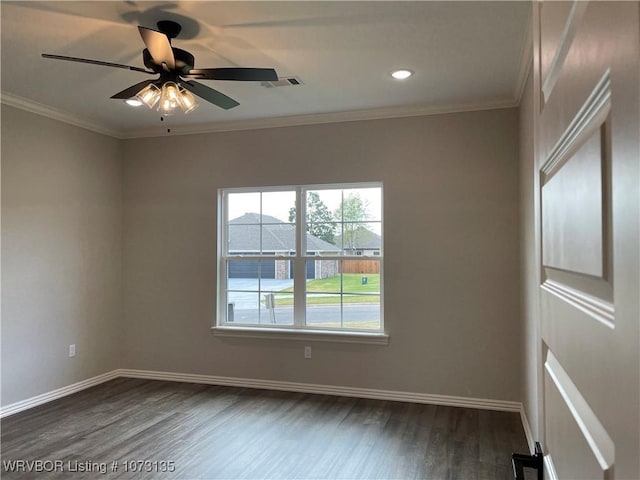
(353, 209)
(319, 218)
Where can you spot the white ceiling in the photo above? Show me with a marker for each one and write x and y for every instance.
(466, 55)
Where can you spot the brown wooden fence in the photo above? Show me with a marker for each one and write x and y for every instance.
(360, 266)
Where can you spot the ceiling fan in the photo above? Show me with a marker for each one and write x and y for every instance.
(176, 84)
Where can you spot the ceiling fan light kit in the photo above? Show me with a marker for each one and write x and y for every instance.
(187, 101)
(176, 88)
(168, 98)
(149, 95)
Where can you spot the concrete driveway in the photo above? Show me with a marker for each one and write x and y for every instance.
(242, 291)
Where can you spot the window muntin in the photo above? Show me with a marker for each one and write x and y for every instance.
(305, 257)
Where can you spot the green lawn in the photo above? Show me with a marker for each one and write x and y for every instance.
(352, 288)
(351, 283)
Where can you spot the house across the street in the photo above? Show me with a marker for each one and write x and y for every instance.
(247, 235)
(360, 241)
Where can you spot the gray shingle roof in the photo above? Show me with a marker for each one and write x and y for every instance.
(277, 236)
(363, 238)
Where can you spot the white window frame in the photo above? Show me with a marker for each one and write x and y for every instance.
(297, 331)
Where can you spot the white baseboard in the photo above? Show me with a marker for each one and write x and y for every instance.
(527, 430)
(549, 467)
(447, 400)
(58, 393)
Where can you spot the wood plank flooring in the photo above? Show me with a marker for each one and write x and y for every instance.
(203, 431)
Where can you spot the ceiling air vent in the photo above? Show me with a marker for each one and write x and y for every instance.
(283, 82)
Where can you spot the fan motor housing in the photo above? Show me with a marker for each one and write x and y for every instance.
(184, 60)
(169, 28)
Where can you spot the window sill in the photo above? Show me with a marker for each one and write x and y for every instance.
(307, 335)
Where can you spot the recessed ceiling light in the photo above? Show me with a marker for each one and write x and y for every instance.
(401, 74)
(134, 102)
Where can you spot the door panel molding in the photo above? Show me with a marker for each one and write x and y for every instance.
(575, 190)
(600, 288)
(572, 212)
(590, 117)
(562, 49)
(595, 434)
(600, 310)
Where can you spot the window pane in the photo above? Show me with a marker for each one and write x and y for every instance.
(343, 294)
(361, 294)
(323, 299)
(360, 204)
(276, 290)
(242, 307)
(243, 239)
(243, 284)
(239, 204)
(321, 238)
(361, 311)
(361, 276)
(360, 228)
(323, 310)
(352, 208)
(277, 302)
(243, 275)
(278, 207)
(279, 239)
(322, 204)
(323, 276)
(361, 238)
(260, 291)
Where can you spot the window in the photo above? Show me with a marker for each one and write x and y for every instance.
(303, 258)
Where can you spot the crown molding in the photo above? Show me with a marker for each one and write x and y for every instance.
(526, 63)
(322, 118)
(256, 124)
(55, 114)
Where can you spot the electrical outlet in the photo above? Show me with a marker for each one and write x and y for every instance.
(72, 350)
(307, 352)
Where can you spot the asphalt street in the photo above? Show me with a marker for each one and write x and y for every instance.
(316, 314)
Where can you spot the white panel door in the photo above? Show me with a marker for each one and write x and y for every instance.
(587, 129)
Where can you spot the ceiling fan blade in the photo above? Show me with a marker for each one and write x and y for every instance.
(232, 73)
(159, 47)
(210, 95)
(132, 90)
(96, 62)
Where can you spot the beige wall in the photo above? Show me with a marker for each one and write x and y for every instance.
(61, 254)
(451, 251)
(451, 265)
(529, 263)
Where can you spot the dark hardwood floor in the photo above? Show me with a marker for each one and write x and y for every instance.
(179, 430)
